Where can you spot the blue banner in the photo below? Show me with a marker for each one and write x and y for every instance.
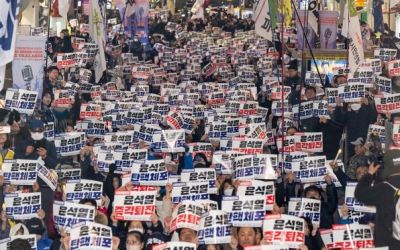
(141, 20)
(378, 16)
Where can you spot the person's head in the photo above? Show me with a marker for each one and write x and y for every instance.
(52, 73)
(171, 166)
(3, 141)
(134, 241)
(135, 38)
(158, 39)
(227, 187)
(35, 226)
(101, 219)
(361, 170)
(152, 41)
(47, 98)
(341, 79)
(292, 71)
(325, 67)
(70, 128)
(36, 128)
(291, 130)
(313, 192)
(88, 201)
(116, 182)
(62, 34)
(391, 162)
(20, 244)
(200, 160)
(137, 226)
(247, 236)
(18, 229)
(311, 93)
(121, 40)
(187, 235)
(219, 78)
(359, 148)
(109, 27)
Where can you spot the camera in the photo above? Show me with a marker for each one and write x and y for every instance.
(376, 150)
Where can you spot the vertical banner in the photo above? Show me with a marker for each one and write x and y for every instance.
(141, 20)
(328, 21)
(308, 31)
(378, 16)
(28, 63)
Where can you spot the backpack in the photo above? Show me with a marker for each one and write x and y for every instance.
(396, 222)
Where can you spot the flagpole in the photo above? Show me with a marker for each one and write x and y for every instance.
(283, 81)
(47, 49)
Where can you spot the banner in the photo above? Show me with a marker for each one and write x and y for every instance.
(352, 236)
(352, 92)
(169, 141)
(134, 205)
(49, 131)
(309, 141)
(262, 19)
(69, 143)
(22, 100)
(91, 236)
(67, 214)
(141, 20)
(22, 206)
(311, 169)
(31, 238)
(378, 16)
(150, 173)
(247, 145)
(308, 31)
(309, 208)
(328, 21)
(20, 172)
(388, 103)
(222, 160)
(28, 63)
(353, 203)
(76, 191)
(385, 54)
(92, 128)
(214, 228)
(201, 175)
(69, 174)
(244, 211)
(285, 230)
(255, 187)
(351, 29)
(190, 191)
(198, 9)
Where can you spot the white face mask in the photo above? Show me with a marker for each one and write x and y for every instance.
(135, 40)
(140, 230)
(228, 191)
(355, 106)
(136, 247)
(37, 136)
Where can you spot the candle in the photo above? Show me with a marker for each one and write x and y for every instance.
(337, 155)
(4, 206)
(63, 187)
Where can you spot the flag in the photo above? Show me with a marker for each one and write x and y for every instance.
(351, 29)
(130, 8)
(63, 7)
(273, 12)
(8, 31)
(54, 10)
(287, 11)
(378, 16)
(262, 19)
(198, 9)
(96, 33)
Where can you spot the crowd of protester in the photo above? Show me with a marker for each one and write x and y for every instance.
(355, 117)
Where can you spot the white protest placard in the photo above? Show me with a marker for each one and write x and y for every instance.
(69, 143)
(20, 172)
(284, 230)
(187, 215)
(352, 92)
(76, 191)
(222, 160)
(327, 237)
(214, 228)
(93, 128)
(353, 216)
(244, 211)
(264, 247)
(216, 130)
(66, 214)
(121, 137)
(175, 245)
(49, 176)
(255, 187)
(90, 111)
(190, 191)
(311, 169)
(278, 109)
(91, 236)
(309, 141)
(69, 174)
(22, 100)
(384, 84)
(31, 238)
(22, 206)
(134, 205)
(201, 175)
(49, 131)
(331, 95)
(315, 78)
(201, 148)
(303, 207)
(247, 145)
(277, 93)
(385, 54)
(302, 111)
(149, 172)
(353, 203)
(61, 98)
(169, 141)
(352, 236)
(387, 103)
(288, 144)
(123, 159)
(320, 109)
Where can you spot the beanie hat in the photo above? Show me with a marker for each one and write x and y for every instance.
(391, 162)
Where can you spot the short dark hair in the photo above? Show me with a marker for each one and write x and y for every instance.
(20, 244)
(312, 188)
(312, 88)
(254, 228)
(92, 201)
(50, 69)
(324, 63)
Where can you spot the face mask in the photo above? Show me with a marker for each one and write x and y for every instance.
(133, 247)
(37, 136)
(228, 191)
(136, 230)
(355, 106)
(135, 40)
